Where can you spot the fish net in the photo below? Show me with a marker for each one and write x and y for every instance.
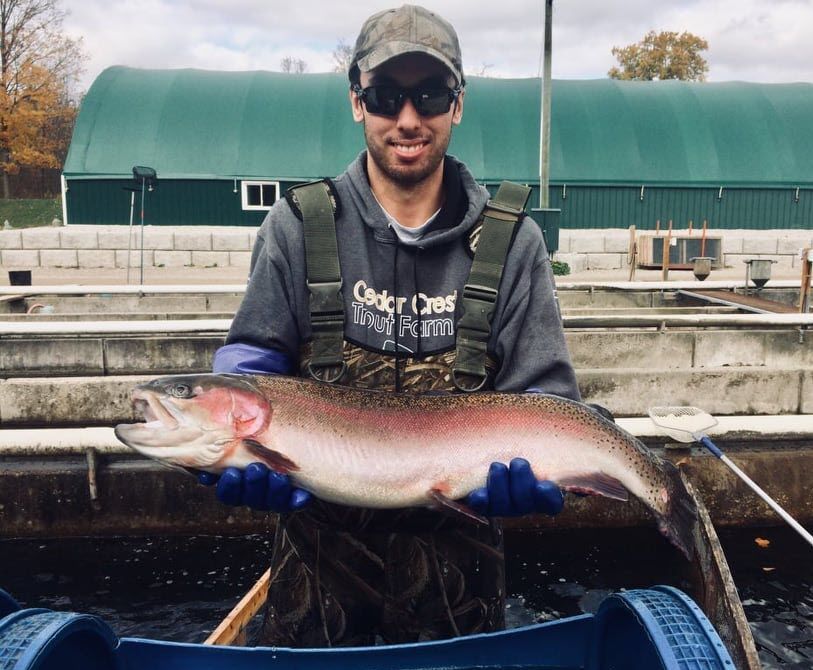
(683, 424)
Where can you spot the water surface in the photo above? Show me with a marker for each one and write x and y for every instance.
(179, 588)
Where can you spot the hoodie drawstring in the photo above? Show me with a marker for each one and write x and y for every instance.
(397, 322)
(417, 304)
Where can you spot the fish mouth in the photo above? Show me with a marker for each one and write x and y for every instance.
(155, 413)
(160, 427)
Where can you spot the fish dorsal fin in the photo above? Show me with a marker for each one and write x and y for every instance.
(596, 484)
(273, 459)
(455, 509)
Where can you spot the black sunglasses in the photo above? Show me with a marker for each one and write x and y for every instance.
(387, 100)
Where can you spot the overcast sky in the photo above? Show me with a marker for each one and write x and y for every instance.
(751, 40)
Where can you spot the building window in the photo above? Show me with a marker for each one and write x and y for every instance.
(260, 194)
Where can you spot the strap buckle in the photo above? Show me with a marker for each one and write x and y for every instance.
(478, 308)
(515, 212)
(326, 297)
(480, 292)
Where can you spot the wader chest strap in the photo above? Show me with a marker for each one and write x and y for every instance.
(500, 217)
(324, 280)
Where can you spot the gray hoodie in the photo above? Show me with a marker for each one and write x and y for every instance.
(407, 297)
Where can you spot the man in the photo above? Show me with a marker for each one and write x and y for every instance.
(407, 223)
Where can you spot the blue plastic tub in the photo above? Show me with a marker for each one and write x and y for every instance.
(647, 629)
(680, 635)
(39, 639)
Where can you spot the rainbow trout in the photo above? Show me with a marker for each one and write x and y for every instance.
(386, 450)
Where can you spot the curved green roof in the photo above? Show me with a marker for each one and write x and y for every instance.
(195, 123)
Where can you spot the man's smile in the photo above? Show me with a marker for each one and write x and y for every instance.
(409, 148)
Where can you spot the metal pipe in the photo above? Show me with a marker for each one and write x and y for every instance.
(544, 130)
(117, 327)
(93, 489)
(760, 492)
(130, 233)
(120, 289)
(189, 326)
(186, 289)
(687, 320)
(44, 442)
(63, 186)
(143, 192)
(652, 286)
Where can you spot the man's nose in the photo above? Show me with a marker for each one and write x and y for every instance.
(408, 117)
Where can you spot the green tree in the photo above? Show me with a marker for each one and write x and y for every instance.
(39, 67)
(663, 55)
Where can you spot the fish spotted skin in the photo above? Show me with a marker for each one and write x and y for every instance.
(387, 450)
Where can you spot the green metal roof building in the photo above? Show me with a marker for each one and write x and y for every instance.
(225, 145)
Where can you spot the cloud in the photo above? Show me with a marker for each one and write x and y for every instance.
(749, 39)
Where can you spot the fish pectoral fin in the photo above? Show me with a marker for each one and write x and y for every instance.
(596, 484)
(454, 508)
(273, 459)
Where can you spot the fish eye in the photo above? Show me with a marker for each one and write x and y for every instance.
(180, 391)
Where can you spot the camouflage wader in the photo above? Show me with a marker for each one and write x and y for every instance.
(345, 576)
(349, 576)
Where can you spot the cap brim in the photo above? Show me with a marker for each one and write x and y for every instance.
(392, 50)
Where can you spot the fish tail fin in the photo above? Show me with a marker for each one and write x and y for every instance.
(679, 519)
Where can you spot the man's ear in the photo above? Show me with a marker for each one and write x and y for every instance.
(457, 117)
(355, 105)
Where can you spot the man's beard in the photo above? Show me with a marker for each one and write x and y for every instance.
(407, 175)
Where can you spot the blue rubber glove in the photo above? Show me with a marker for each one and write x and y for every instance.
(514, 490)
(257, 487)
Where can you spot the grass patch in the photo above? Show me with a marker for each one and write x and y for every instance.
(30, 213)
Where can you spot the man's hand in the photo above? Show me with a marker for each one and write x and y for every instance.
(514, 491)
(257, 487)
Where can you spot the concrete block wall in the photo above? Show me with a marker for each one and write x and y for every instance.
(212, 246)
(107, 247)
(607, 249)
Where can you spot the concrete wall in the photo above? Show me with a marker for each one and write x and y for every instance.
(107, 247)
(28, 402)
(212, 246)
(608, 249)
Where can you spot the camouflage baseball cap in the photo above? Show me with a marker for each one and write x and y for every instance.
(408, 29)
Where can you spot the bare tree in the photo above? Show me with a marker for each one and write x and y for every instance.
(484, 68)
(293, 65)
(39, 68)
(342, 55)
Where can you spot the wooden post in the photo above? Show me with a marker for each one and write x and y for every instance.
(667, 242)
(703, 239)
(632, 255)
(804, 285)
